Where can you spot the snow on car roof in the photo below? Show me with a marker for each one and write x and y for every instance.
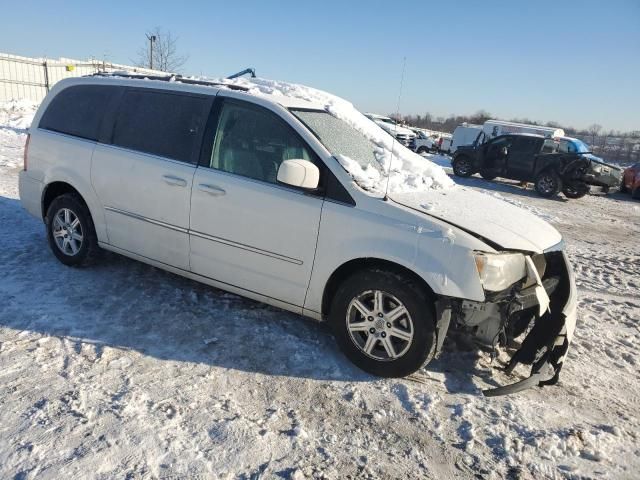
(410, 172)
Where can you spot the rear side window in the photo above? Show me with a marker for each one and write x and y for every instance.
(164, 124)
(78, 111)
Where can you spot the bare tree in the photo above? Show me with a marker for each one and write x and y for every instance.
(161, 52)
(593, 131)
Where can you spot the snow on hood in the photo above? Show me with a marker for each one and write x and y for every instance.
(410, 172)
(507, 225)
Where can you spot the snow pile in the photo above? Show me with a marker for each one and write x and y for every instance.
(409, 171)
(15, 118)
(17, 115)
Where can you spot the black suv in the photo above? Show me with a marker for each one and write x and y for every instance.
(528, 158)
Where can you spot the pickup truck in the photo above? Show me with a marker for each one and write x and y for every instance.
(528, 158)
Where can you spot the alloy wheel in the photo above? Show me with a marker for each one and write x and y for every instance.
(67, 232)
(379, 325)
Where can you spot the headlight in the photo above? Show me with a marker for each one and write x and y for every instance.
(500, 270)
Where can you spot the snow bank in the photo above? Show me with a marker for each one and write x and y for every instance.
(15, 118)
(410, 172)
(17, 114)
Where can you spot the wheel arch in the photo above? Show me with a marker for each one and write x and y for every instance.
(55, 189)
(350, 267)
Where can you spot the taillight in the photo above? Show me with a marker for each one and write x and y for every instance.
(26, 150)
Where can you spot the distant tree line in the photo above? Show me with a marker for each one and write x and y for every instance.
(610, 144)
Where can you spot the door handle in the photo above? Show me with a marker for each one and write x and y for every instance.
(211, 190)
(171, 180)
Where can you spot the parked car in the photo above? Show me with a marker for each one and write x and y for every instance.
(631, 180)
(444, 144)
(525, 157)
(600, 173)
(245, 193)
(404, 135)
(425, 143)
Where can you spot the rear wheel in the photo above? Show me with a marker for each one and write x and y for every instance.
(384, 323)
(635, 193)
(548, 183)
(462, 166)
(575, 189)
(70, 231)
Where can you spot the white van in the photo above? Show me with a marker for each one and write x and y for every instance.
(493, 128)
(464, 134)
(249, 193)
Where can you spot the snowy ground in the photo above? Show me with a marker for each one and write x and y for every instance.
(125, 371)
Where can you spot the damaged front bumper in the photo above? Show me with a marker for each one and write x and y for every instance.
(549, 331)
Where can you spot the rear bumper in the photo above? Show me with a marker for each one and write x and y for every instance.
(30, 194)
(545, 347)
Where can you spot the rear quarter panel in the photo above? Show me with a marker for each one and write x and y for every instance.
(55, 157)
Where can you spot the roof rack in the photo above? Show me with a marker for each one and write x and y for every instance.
(169, 78)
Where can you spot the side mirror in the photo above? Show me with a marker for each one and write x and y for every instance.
(299, 173)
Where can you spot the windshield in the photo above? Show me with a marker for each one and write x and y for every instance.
(340, 138)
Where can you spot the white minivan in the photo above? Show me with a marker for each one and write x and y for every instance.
(249, 193)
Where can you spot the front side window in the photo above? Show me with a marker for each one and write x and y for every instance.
(253, 142)
(78, 111)
(160, 123)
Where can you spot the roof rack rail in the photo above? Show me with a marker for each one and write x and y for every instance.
(169, 78)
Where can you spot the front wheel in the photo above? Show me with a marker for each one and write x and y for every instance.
(423, 149)
(384, 323)
(462, 166)
(575, 189)
(548, 183)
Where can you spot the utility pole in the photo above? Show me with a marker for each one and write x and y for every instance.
(151, 38)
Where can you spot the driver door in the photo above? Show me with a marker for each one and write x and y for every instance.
(247, 230)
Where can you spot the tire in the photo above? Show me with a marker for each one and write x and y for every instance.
(548, 183)
(61, 217)
(635, 193)
(462, 166)
(487, 175)
(416, 343)
(423, 149)
(575, 189)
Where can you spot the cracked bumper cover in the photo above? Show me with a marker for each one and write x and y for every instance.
(545, 347)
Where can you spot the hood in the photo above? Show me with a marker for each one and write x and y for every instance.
(500, 222)
(394, 129)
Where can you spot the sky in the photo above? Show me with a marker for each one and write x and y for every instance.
(573, 62)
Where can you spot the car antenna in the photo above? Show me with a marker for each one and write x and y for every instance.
(386, 190)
